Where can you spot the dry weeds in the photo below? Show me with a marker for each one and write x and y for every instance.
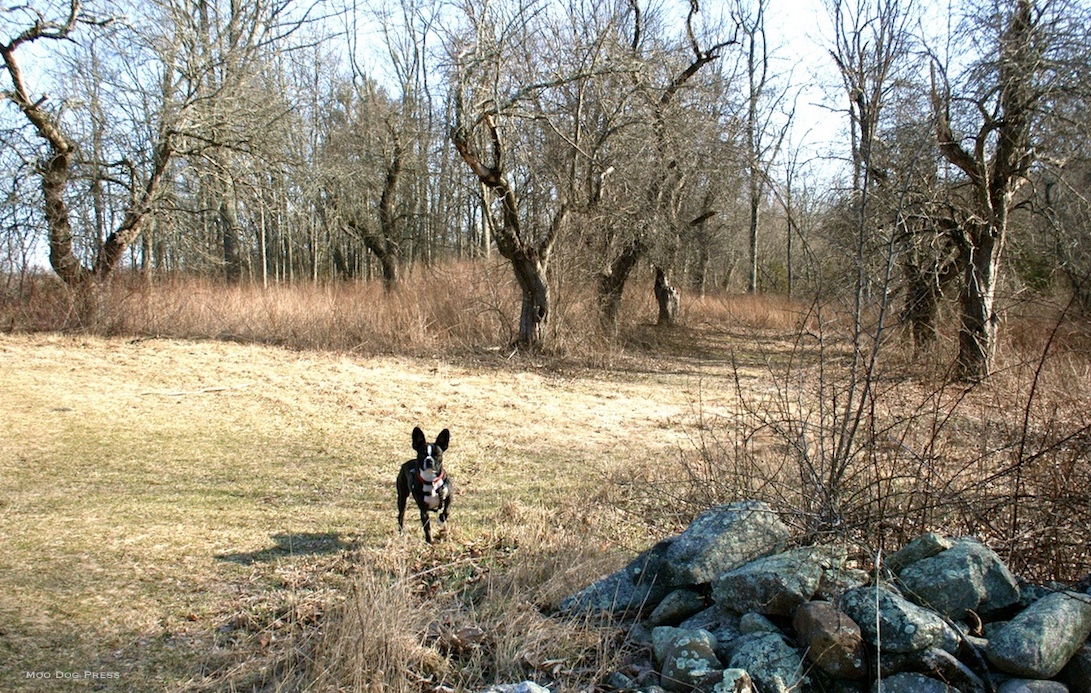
(163, 492)
(218, 515)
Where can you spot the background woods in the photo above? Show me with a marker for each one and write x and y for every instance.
(288, 141)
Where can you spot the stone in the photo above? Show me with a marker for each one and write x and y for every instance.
(1078, 671)
(773, 664)
(724, 538)
(666, 638)
(723, 624)
(968, 576)
(902, 625)
(690, 663)
(640, 585)
(938, 664)
(675, 608)
(909, 682)
(837, 581)
(775, 584)
(925, 546)
(831, 640)
(1032, 686)
(735, 681)
(524, 687)
(753, 622)
(620, 681)
(1040, 640)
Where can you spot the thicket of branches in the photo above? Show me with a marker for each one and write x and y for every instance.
(292, 140)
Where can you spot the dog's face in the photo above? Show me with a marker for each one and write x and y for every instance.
(430, 455)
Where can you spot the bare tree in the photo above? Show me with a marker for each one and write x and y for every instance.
(763, 139)
(664, 186)
(507, 112)
(62, 152)
(987, 128)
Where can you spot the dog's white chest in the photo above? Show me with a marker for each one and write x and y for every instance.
(434, 490)
(432, 501)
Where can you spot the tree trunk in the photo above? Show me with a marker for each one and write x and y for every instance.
(612, 281)
(666, 295)
(531, 277)
(978, 318)
(229, 229)
(62, 258)
(528, 253)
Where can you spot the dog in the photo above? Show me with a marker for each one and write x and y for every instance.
(424, 479)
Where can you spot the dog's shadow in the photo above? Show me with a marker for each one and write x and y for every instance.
(307, 543)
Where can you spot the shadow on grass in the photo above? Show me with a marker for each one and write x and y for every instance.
(308, 543)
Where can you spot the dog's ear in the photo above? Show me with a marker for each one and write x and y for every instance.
(418, 438)
(443, 439)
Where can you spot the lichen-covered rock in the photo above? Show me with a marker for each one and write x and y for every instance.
(1040, 640)
(909, 682)
(925, 546)
(688, 661)
(831, 640)
(968, 576)
(773, 664)
(776, 584)
(902, 625)
(676, 607)
(666, 638)
(721, 623)
(724, 538)
(638, 586)
(735, 681)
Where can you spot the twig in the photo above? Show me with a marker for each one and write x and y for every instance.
(202, 391)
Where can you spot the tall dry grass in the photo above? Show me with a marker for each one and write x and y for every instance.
(450, 309)
(462, 615)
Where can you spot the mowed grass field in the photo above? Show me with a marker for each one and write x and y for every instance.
(154, 490)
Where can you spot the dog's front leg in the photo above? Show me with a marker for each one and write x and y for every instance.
(445, 508)
(427, 524)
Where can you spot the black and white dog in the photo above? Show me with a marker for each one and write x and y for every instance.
(424, 479)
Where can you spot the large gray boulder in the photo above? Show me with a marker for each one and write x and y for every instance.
(773, 664)
(968, 576)
(638, 586)
(776, 585)
(1040, 640)
(724, 538)
(902, 625)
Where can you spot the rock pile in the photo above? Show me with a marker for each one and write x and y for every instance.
(726, 607)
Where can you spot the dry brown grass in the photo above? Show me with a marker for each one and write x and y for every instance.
(188, 513)
(197, 508)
